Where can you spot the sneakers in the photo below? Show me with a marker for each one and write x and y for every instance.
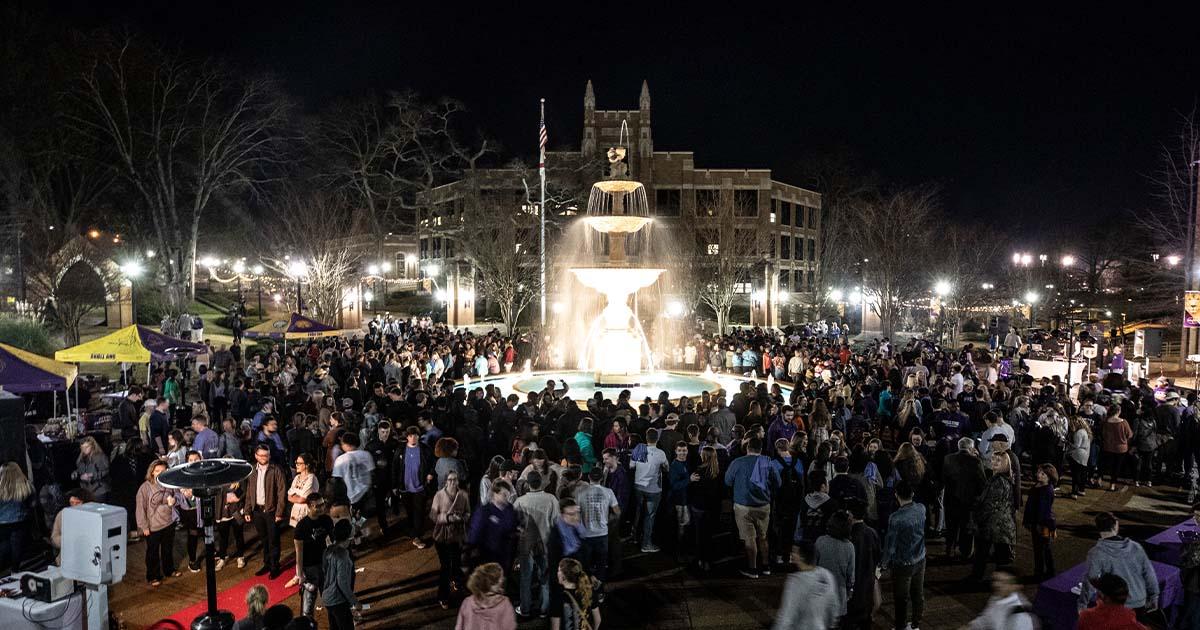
(748, 573)
(219, 565)
(241, 563)
(650, 549)
(765, 571)
(418, 543)
(194, 568)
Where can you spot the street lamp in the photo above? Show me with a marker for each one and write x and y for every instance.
(133, 270)
(1031, 298)
(298, 269)
(1068, 260)
(674, 308)
(258, 272)
(1173, 260)
(837, 295)
(942, 288)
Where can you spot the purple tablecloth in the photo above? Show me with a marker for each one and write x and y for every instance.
(1056, 604)
(1165, 545)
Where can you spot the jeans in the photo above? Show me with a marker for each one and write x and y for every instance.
(195, 547)
(340, 617)
(908, 584)
(1145, 472)
(13, 540)
(268, 535)
(450, 559)
(614, 547)
(1114, 462)
(1043, 555)
(225, 530)
(1079, 476)
(705, 523)
(534, 567)
(985, 551)
(648, 506)
(594, 556)
(414, 504)
(311, 582)
(160, 548)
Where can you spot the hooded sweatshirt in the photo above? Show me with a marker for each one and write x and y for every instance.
(1123, 557)
(492, 613)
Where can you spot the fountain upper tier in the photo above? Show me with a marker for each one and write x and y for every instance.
(618, 281)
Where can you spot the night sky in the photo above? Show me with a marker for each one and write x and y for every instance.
(1022, 116)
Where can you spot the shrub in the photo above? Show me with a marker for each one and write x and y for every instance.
(26, 334)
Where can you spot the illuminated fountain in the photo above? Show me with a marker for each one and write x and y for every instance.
(616, 348)
(611, 351)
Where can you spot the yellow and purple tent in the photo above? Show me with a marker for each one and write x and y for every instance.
(24, 372)
(294, 326)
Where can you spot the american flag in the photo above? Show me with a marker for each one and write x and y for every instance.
(543, 136)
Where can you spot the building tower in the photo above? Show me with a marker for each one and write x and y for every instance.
(589, 120)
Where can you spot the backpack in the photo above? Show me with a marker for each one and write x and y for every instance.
(812, 521)
(791, 490)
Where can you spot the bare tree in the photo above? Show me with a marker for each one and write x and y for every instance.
(182, 134)
(501, 237)
(966, 260)
(323, 231)
(727, 242)
(389, 154)
(893, 232)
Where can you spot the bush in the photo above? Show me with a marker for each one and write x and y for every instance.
(26, 334)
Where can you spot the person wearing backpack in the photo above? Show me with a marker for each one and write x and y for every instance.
(814, 511)
(786, 502)
(1007, 608)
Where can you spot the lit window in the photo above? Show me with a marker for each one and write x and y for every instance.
(714, 249)
(772, 217)
(741, 287)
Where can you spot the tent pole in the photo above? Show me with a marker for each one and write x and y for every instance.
(77, 390)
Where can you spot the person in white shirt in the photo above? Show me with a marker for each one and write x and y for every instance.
(956, 380)
(354, 468)
(1007, 609)
(648, 463)
(995, 424)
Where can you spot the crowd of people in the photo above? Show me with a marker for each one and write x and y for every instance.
(873, 457)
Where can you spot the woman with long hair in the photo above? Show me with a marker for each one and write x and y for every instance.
(256, 607)
(909, 465)
(176, 449)
(573, 605)
(156, 519)
(1039, 519)
(450, 513)
(996, 530)
(92, 469)
(16, 505)
(1078, 450)
(618, 439)
(303, 484)
(487, 608)
(706, 491)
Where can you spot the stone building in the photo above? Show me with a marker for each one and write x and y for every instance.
(788, 217)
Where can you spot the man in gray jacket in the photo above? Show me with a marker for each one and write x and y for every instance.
(1122, 557)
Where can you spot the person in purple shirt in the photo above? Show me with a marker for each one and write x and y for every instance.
(783, 426)
(493, 528)
(206, 442)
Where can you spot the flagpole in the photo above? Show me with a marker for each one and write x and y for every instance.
(542, 212)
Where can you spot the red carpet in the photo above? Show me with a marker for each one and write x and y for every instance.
(233, 599)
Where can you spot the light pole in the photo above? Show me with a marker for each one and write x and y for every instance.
(298, 269)
(942, 289)
(258, 272)
(133, 270)
(1031, 298)
(239, 268)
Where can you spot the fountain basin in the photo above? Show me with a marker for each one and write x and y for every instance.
(582, 384)
(616, 223)
(617, 185)
(616, 280)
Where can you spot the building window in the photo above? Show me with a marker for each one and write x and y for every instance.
(424, 248)
(437, 248)
(741, 287)
(707, 200)
(811, 283)
(785, 276)
(449, 248)
(785, 247)
(798, 281)
(785, 213)
(745, 202)
(812, 218)
(667, 202)
(799, 248)
(713, 249)
(800, 216)
(812, 250)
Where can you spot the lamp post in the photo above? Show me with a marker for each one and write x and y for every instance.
(942, 289)
(298, 269)
(258, 272)
(133, 270)
(239, 268)
(1031, 298)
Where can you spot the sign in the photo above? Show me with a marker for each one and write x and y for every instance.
(1191, 309)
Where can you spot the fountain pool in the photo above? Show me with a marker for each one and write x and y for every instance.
(582, 384)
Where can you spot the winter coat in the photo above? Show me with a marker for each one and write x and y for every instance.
(994, 512)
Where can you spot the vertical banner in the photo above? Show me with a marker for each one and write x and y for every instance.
(1191, 309)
